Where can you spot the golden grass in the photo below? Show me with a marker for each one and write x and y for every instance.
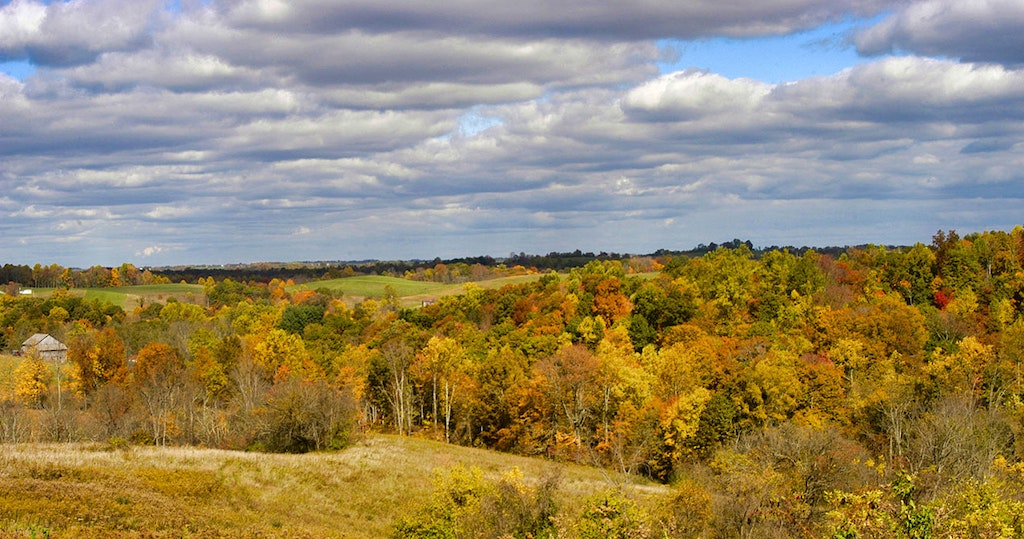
(96, 491)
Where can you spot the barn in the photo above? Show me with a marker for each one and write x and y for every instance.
(46, 347)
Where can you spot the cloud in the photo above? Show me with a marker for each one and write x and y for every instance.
(692, 94)
(168, 212)
(149, 251)
(977, 31)
(229, 130)
(71, 33)
(648, 19)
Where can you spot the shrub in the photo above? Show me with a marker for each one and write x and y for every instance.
(466, 505)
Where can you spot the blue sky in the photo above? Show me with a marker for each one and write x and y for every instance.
(226, 131)
(20, 69)
(824, 50)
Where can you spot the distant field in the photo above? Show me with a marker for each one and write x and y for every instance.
(410, 293)
(371, 286)
(355, 289)
(129, 297)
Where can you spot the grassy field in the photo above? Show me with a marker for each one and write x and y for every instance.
(98, 491)
(354, 289)
(129, 297)
(410, 293)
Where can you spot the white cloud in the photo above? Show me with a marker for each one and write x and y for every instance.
(692, 94)
(415, 130)
(69, 33)
(169, 212)
(149, 251)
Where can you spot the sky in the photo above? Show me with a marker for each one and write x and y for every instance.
(226, 131)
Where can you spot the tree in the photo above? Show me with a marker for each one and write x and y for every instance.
(96, 358)
(306, 415)
(569, 379)
(444, 361)
(31, 381)
(389, 379)
(160, 381)
(280, 353)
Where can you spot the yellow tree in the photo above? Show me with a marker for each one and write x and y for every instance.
(31, 381)
(773, 388)
(623, 379)
(444, 360)
(96, 358)
(962, 371)
(115, 277)
(160, 380)
(281, 354)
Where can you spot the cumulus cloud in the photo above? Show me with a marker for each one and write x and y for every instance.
(976, 31)
(691, 94)
(76, 32)
(646, 19)
(252, 129)
(149, 251)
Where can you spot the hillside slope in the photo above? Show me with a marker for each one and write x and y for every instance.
(97, 491)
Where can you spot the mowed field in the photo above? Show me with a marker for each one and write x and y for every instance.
(130, 297)
(69, 490)
(410, 293)
(354, 290)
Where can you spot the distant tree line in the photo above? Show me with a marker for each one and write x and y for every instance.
(14, 276)
(451, 270)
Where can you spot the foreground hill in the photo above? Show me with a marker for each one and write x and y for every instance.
(66, 490)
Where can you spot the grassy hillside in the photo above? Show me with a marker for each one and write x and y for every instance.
(410, 293)
(129, 297)
(371, 286)
(97, 491)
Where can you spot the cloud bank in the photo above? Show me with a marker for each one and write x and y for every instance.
(232, 131)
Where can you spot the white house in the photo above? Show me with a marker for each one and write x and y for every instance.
(46, 346)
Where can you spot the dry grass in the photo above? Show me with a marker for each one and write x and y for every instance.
(98, 491)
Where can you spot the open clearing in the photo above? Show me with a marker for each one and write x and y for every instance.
(409, 293)
(66, 490)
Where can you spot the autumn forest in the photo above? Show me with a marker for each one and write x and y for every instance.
(864, 392)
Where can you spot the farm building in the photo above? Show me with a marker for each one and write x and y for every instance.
(46, 346)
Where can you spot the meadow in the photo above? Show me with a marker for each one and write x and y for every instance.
(409, 293)
(130, 297)
(103, 490)
(354, 290)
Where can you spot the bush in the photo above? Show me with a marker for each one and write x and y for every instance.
(466, 505)
(303, 416)
(611, 516)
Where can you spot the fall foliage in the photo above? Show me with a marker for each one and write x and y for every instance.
(784, 390)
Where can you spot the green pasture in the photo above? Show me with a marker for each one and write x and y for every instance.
(354, 289)
(409, 293)
(370, 286)
(129, 297)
